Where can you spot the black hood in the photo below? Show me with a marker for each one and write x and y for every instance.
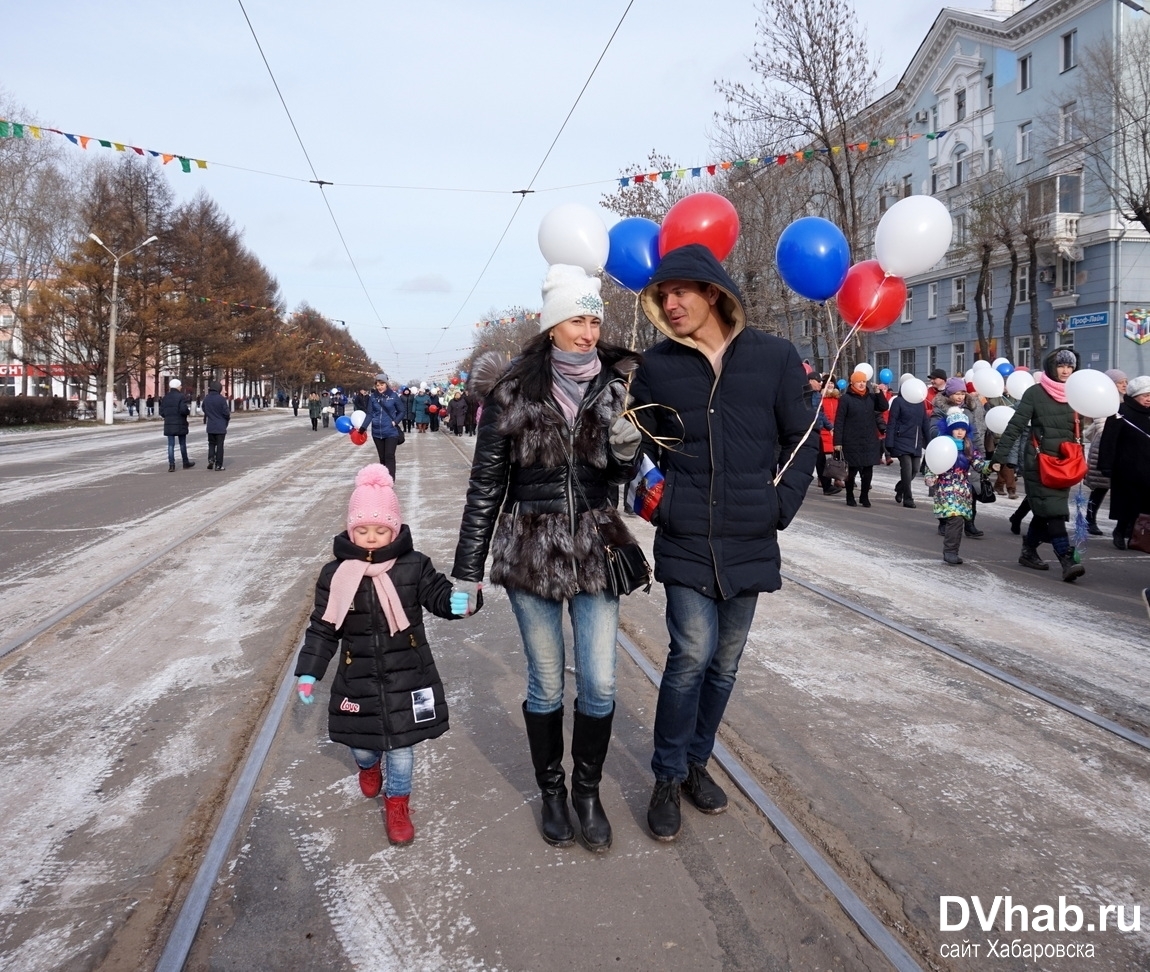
(693, 262)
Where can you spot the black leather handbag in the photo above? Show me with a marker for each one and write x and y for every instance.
(985, 490)
(627, 570)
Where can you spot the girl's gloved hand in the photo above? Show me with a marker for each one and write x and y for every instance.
(466, 600)
(304, 687)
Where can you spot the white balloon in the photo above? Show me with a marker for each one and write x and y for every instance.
(940, 454)
(999, 361)
(969, 376)
(980, 364)
(913, 235)
(1018, 382)
(358, 417)
(574, 234)
(913, 390)
(903, 377)
(998, 418)
(865, 368)
(1092, 394)
(988, 382)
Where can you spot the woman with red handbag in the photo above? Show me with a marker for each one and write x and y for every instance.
(1052, 431)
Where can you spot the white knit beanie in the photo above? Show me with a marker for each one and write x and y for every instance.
(175, 383)
(568, 292)
(1138, 386)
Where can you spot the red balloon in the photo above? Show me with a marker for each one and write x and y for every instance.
(357, 436)
(702, 217)
(433, 409)
(869, 299)
(455, 381)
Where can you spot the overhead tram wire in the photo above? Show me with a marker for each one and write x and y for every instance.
(317, 180)
(523, 193)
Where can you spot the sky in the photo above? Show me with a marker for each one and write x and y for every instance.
(444, 95)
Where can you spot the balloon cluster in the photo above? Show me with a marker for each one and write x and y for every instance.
(350, 426)
(631, 250)
(813, 259)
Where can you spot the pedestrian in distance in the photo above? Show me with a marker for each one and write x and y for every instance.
(150, 401)
(856, 435)
(907, 432)
(1124, 458)
(457, 413)
(384, 415)
(175, 407)
(551, 442)
(952, 490)
(314, 410)
(369, 601)
(730, 420)
(217, 415)
(407, 403)
(295, 404)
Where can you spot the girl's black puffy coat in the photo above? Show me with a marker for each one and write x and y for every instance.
(371, 696)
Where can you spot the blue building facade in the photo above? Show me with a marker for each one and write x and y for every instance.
(1001, 91)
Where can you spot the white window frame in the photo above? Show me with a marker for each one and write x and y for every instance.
(1067, 126)
(958, 359)
(959, 167)
(989, 91)
(958, 292)
(906, 309)
(1025, 136)
(1025, 73)
(1023, 290)
(960, 104)
(1023, 358)
(1068, 50)
(932, 299)
(1065, 274)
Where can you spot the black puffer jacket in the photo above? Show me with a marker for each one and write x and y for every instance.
(539, 494)
(174, 408)
(908, 428)
(1124, 455)
(720, 514)
(372, 705)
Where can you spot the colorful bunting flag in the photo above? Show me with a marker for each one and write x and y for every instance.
(11, 129)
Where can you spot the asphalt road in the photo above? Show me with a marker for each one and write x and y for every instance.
(917, 778)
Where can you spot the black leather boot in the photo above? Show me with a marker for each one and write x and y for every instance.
(851, 495)
(1030, 558)
(545, 737)
(1070, 570)
(589, 744)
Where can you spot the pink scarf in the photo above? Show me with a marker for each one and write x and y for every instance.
(346, 582)
(1055, 389)
(571, 372)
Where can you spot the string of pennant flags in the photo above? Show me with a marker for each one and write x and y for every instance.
(231, 303)
(11, 129)
(507, 320)
(696, 172)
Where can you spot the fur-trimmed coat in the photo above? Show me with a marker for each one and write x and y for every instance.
(539, 493)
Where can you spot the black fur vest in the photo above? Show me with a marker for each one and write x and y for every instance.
(540, 490)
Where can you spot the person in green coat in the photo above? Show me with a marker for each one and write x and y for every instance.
(314, 410)
(1043, 414)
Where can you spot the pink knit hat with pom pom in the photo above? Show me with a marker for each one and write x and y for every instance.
(373, 500)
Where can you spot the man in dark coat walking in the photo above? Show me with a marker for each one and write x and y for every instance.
(216, 418)
(175, 407)
(731, 409)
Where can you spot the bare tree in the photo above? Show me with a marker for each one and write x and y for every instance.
(1110, 120)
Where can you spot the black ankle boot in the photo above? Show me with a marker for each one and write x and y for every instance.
(1092, 525)
(851, 496)
(1071, 571)
(864, 498)
(589, 744)
(1029, 558)
(545, 737)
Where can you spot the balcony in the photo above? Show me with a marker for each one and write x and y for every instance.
(1062, 299)
(956, 313)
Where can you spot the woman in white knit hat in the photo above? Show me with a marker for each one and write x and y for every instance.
(550, 446)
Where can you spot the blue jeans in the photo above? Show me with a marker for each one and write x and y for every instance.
(400, 763)
(707, 640)
(595, 622)
(172, 448)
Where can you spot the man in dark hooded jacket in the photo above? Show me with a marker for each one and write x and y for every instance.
(217, 415)
(734, 396)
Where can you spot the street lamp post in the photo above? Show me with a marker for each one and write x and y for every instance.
(109, 394)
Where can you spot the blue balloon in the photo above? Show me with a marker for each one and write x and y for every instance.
(463, 375)
(812, 257)
(1005, 369)
(344, 424)
(886, 376)
(634, 252)
(841, 384)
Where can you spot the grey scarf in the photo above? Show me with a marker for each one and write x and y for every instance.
(572, 372)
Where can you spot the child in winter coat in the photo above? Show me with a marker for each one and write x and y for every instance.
(386, 696)
(952, 492)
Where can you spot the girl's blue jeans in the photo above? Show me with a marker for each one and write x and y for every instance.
(400, 763)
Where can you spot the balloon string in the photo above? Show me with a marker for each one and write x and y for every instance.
(818, 411)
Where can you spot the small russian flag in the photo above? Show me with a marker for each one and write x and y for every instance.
(648, 489)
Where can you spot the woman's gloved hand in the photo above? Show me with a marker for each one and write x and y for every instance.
(624, 439)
